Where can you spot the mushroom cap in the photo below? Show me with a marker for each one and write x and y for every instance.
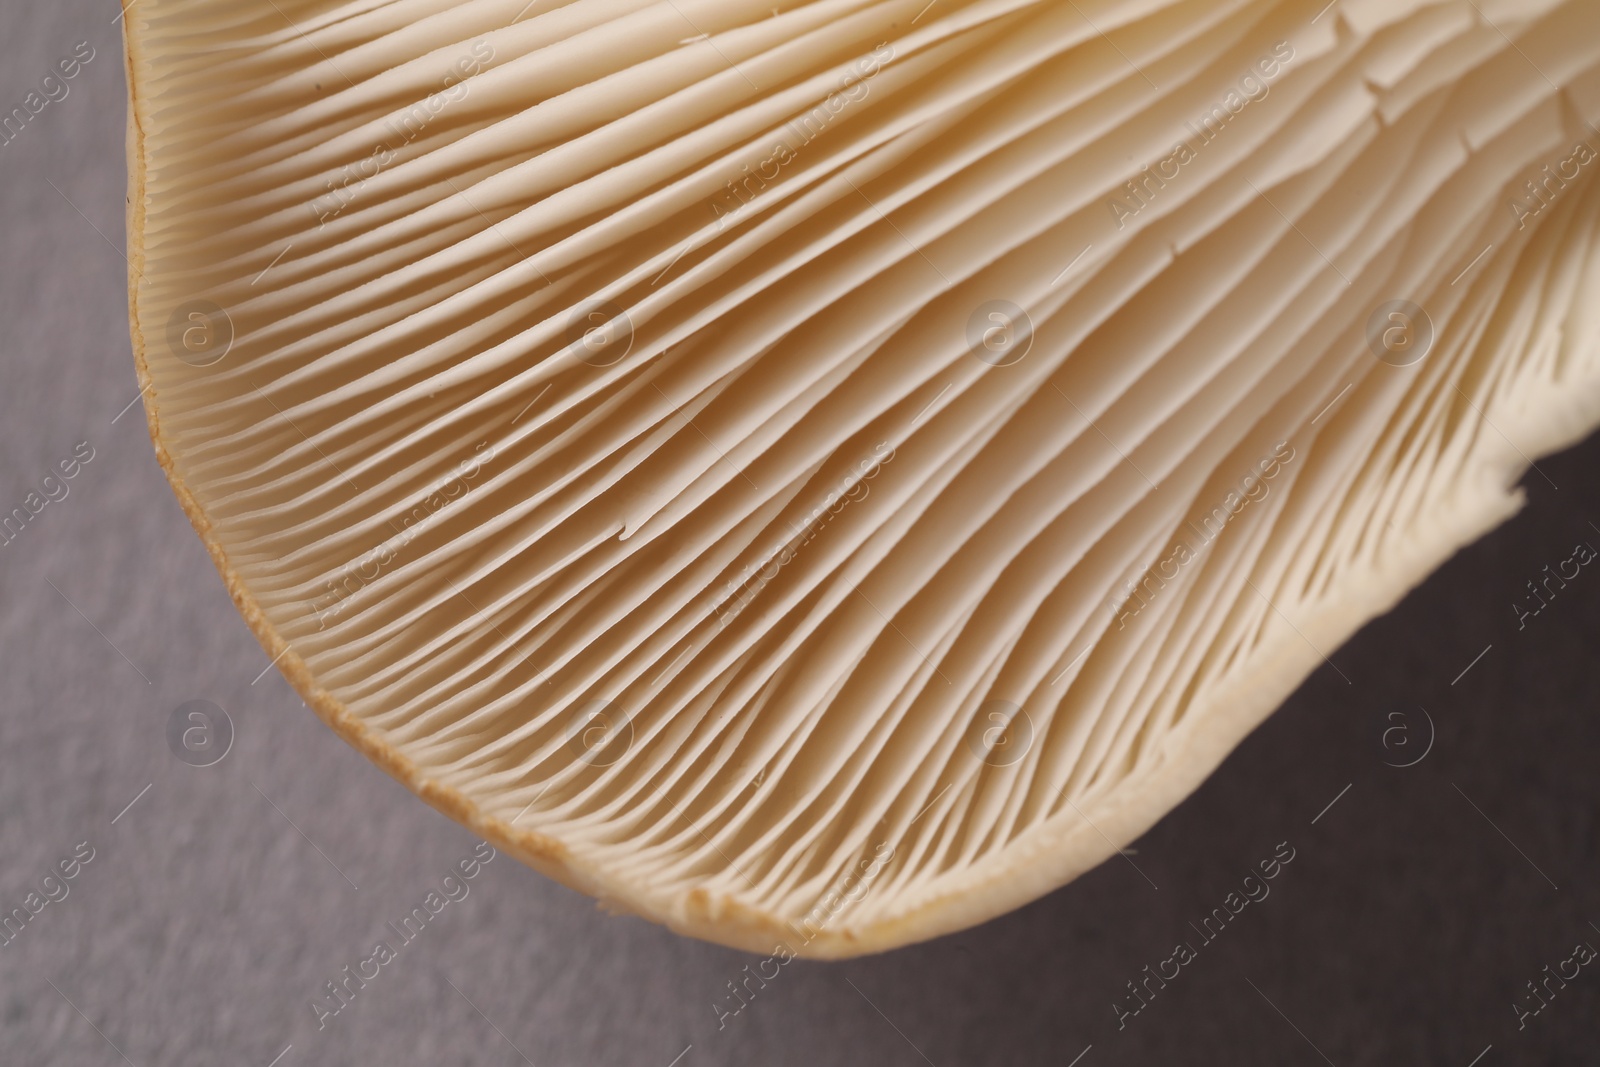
(822, 477)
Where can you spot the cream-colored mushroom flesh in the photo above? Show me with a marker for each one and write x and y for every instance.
(825, 475)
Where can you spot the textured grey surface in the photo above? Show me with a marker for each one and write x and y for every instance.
(218, 905)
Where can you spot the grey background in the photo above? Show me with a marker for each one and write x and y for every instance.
(207, 922)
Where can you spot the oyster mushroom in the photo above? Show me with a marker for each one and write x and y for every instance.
(823, 476)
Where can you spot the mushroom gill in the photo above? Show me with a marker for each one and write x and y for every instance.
(830, 474)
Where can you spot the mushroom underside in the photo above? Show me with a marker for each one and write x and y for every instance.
(826, 476)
